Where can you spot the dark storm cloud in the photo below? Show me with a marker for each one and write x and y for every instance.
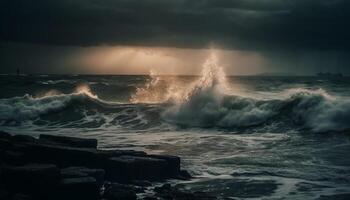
(234, 24)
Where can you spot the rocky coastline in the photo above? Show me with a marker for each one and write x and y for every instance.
(59, 167)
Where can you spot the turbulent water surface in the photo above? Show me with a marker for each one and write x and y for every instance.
(244, 137)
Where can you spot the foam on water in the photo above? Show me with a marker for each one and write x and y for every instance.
(209, 104)
(29, 107)
(243, 137)
(209, 101)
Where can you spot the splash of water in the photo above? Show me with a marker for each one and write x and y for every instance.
(169, 89)
(149, 93)
(82, 89)
(212, 79)
(85, 89)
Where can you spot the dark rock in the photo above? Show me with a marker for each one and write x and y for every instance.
(76, 172)
(39, 180)
(116, 153)
(24, 138)
(5, 144)
(4, 194)
(126, 168)
(119, 192)
(8, 141)
(119, 165)
(13, 157)
(21, 197)
(4, 135)
(69, 141)
(43, 181)
(184, 175)
(79, 188)
(16, 142)
(62, 156)
(122, 168)
(173, 164)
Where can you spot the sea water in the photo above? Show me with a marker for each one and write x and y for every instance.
(245, 137)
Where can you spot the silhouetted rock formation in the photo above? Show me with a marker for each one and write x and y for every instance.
(68, 141)
(58, 167)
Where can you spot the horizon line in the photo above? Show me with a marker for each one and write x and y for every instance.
(189, 75)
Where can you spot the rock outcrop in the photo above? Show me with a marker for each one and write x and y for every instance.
(58, 167)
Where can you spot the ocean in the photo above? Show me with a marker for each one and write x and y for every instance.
(245, 137)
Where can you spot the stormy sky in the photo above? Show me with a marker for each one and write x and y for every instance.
(255, 36)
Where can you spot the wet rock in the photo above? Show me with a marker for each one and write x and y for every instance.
(69, 141)
(184, 175)
(79, 188)
(62, 156)
(23, 139)
(119, 191)
(36, 179)
(117, 153)
(173, 164)
(64, 152)
(5, 141)
(77, 172)
(5, 144)
(126, 168)
(21, 197)
(4, 194)
(122, 168)
(4, 135)
(13, 157)
(9, 142)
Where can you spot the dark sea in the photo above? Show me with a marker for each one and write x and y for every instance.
(246, 137)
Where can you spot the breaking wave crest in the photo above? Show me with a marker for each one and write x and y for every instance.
(319, 111)
(29, 107)
(313, 110)
(209, 104)
(80, 108)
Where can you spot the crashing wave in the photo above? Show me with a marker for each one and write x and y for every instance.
(29, 107)
(208, 104)
(78, 109)
(312, 110)
(320, 112)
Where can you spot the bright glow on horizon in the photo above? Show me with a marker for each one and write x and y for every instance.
(162, 61)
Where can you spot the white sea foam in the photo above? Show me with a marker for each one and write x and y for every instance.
(29, 107)
(54, 82)
(208, 101)
(319, 111)
(207, 104)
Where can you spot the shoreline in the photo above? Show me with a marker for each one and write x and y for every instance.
(60, 167)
